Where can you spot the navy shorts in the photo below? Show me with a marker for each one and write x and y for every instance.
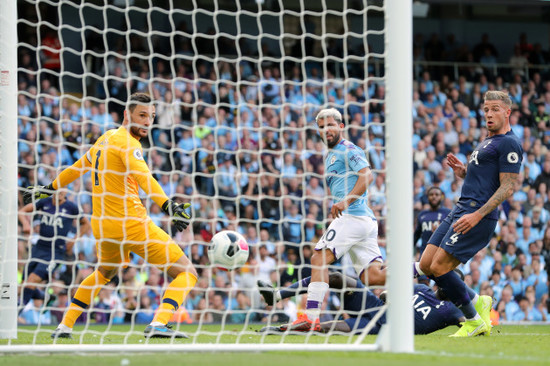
(41, 263)
(463, 246)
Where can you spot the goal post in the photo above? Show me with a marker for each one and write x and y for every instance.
(399, 337)
(8, 169)
(211, 62)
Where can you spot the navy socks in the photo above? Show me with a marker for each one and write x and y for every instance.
(296, 288)
(458, 293)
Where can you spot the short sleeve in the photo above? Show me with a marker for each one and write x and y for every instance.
(510, 156)
(40, 204)
(74, 209)
(357, 159)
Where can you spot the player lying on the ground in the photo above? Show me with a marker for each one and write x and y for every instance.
(432, 310)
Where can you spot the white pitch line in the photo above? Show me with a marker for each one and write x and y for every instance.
(499, 356)
(519, 334)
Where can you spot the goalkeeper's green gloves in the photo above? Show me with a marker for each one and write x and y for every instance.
(38, 192)
(180, 218)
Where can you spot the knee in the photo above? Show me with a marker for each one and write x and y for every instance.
(318, 259)
(426, 268)
(178, 268)
(375, 276)
(191, 269)
(436, 269)
(108, 273)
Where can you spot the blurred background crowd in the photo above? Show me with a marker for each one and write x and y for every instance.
(238, 141)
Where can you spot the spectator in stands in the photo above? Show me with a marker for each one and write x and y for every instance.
(146, 311)
(50, 54)
(293, 225)
(109, 306)
(34, 313)
(527, 310)
(241, 312)
(446, 115)
(518, 61)
(480, 49)
(544, 177)
(266, 264)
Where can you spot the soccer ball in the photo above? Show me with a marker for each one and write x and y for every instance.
(228, 250)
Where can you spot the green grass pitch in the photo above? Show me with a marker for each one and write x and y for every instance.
(508, 345)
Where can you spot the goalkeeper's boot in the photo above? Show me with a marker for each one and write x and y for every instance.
(304, 324)
(471, 328)
(267, 291)
(62, 331)
(483, 307)
(162, 331)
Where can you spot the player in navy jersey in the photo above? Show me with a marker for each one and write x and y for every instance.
(431, 313)
(354, 229)
(428, 220)
(489, 179)
(57, 216)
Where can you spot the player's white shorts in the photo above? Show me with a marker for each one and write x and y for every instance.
(356, 235)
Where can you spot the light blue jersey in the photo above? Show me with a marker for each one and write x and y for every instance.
(341, 165)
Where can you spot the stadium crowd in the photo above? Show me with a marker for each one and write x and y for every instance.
(238, 142)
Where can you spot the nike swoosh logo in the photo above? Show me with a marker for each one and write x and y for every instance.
(475, 330)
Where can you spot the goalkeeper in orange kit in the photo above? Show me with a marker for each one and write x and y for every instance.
(120, 222)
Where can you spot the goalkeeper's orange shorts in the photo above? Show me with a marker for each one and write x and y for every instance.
(151, 243)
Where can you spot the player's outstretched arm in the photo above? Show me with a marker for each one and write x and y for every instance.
(67, 176)
(140, 171)
(180, 218)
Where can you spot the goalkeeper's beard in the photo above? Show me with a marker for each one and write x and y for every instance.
(136, 130)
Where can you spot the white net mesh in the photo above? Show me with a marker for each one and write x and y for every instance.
(237, 86)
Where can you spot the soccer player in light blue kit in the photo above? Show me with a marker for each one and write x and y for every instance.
(354, 229)
(489, 179)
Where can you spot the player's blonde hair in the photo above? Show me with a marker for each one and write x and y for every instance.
(329, 112)
(498, 95)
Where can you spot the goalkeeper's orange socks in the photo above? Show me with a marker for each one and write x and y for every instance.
(174, 296)
(87, 291)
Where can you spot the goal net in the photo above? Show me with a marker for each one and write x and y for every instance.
(237, 86)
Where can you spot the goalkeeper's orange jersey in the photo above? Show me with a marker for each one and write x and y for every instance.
(118, 170)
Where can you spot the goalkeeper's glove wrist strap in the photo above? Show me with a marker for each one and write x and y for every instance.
(49, 187)
(166, 204)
